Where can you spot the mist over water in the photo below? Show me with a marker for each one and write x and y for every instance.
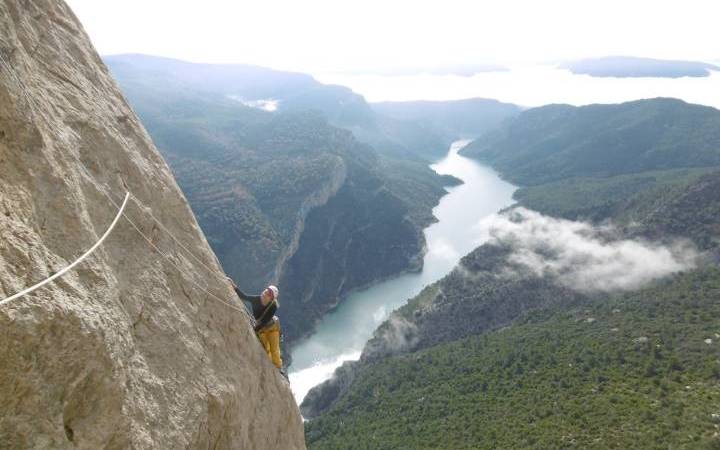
(529, 85)
(581, 255)
(342, 334)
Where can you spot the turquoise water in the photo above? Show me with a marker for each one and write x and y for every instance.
(341, 334)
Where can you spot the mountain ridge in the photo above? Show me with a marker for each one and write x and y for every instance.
(635, 67)
(296, 92)
(601, 140)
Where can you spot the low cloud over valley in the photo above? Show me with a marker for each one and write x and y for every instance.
(583, 256)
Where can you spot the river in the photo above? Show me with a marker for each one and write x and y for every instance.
(342, 333)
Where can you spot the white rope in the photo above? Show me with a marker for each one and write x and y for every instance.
(181, 270)
(24, 90)
(149, 212)
(77, 261)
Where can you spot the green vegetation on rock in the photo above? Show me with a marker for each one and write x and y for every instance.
(556, 142)
(626, 198)
(639, 370)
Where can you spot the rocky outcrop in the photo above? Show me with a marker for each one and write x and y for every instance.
(361, 235)
(128, 350)
(336, 179)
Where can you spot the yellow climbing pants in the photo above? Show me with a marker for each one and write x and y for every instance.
(270, 339)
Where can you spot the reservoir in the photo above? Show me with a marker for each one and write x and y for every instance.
(342, 333)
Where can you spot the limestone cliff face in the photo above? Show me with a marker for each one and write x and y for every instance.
(336, 179)
(126, 351)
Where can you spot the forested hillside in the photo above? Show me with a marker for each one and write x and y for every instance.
(599, 334)
(556, 142)
(637, 370)
(409, 129)
(468, 118)
(652, 166)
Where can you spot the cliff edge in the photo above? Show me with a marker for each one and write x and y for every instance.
(133, 348)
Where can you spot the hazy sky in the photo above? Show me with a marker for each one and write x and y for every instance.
(324, 35)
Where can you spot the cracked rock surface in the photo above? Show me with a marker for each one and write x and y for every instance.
(127, 350)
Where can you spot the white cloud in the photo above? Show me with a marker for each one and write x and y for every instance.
(582, 256)
(398, 334)
(442, 248)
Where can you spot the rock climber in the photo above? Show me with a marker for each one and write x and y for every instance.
(267, 324)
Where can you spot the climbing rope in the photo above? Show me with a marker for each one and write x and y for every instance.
(170, 259)
(148, 212)
(24, 90)
(77, 261)
(122, 212)
(106, 192)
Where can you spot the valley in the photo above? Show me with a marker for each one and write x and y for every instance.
(342, 333)
(543, 276)
(382, 266)
(468, 226)
(323, 196)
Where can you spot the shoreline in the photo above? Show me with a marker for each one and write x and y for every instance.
(411, 269)
(341, 335)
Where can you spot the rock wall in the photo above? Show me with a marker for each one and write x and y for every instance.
(360, 236)
(335, 181)
(126, 351)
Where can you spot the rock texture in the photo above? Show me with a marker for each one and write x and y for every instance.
(126, 351)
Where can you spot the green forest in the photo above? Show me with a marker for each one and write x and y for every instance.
(639, 370)
(524, 361)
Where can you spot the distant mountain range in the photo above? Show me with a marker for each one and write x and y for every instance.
(296, 92)
(459, 118)
(633, 67)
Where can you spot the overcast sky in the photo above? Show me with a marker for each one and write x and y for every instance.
(325, 35)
